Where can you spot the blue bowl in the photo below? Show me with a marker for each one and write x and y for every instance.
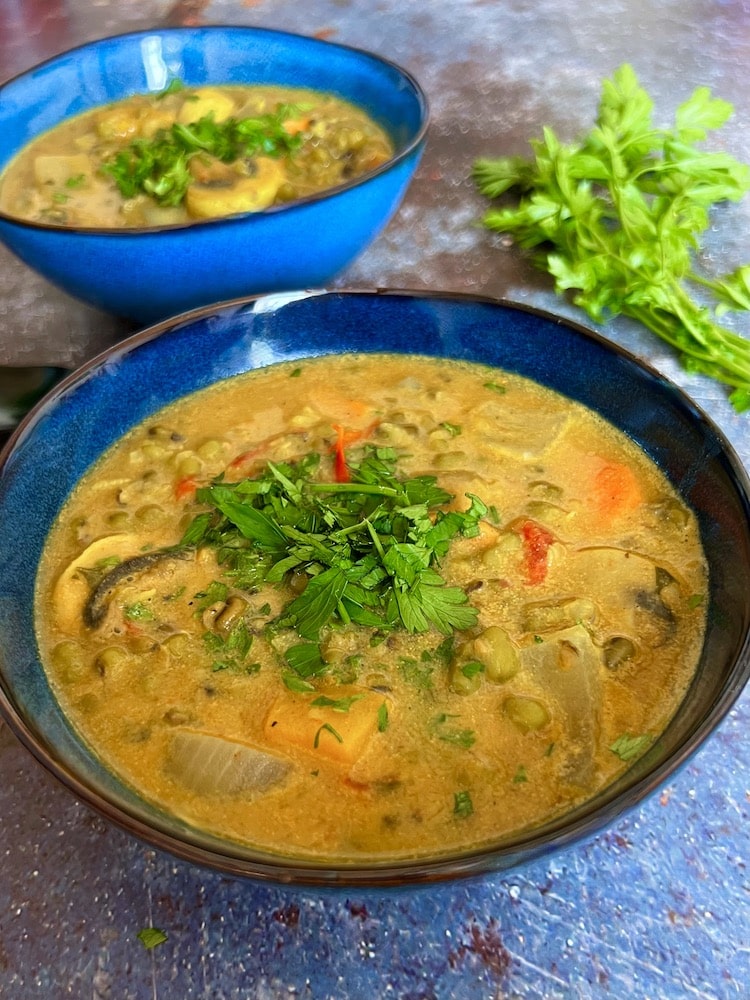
(149, 274)
(91, 409)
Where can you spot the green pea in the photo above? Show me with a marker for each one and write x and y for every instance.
(151, 515)
(67, 657)
(527, 714)
(110, 661)
(495, 650)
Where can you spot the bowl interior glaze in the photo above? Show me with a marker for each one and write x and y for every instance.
(85, 414)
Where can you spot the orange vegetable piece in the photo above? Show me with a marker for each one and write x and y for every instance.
(616, 489)
(185, 488)
(536, 543)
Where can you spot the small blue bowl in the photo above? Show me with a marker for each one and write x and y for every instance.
(91, 409)
(150, 274)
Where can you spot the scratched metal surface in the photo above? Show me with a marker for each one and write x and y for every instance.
(656, 907)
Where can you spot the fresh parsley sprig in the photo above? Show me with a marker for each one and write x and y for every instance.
(616, 219)
(369, 548)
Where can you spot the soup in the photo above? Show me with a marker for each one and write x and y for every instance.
(188, 154)
(371, 606)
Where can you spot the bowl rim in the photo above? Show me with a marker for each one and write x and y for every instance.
(401, 154)
(387, 874)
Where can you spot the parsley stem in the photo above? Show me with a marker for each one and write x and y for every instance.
(375, 538)
(367, 488)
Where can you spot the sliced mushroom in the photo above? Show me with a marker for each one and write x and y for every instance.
(95, 608)
(74, 584)
(567, 665)
(244, 194)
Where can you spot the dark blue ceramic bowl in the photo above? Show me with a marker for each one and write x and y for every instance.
(150, 274)
(85, 414)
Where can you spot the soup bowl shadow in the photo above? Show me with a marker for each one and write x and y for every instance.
(149, 274)
(85, 414)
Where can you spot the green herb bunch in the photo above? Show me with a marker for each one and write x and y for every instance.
(617, 218)
(160, 167)
(366, 550)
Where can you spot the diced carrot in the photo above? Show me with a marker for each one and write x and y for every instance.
(294, 125)
(185, 488)
(344, 438)
(615, 489)
(340, 468)
(243, 459)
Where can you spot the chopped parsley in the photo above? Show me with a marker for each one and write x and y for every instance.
(327, 728)
(627, 747)
(336, 704)
(383, 718)
(369, 547)
(160, 167)
(463, 807)
(443, 730)
(138, 612)
(230, 650)
(151, 937)
(453, 429)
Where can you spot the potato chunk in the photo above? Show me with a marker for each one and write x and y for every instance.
(336, 724)
(57, 171)
(206, 101)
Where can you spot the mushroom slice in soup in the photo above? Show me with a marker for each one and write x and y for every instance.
(74, 585)
(630, 588)
(213, 765)
(97, 605)
(567, 665)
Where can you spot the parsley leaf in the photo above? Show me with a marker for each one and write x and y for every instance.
(151, 937)
(464, 738)
(463, 807)
(627, 747)
(616, 220)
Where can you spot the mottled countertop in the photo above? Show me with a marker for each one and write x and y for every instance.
(656, 907)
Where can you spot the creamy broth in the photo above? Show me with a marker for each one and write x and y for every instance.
(585, 573)
(191, 154)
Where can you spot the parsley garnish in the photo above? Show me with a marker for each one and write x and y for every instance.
(626, 747)
(453, 429)
(159, 167)
(462, 804)
(327, 728)
(150, 937)
(337, 704)
(464, 738)
(616, 218)
(230, 650)
(369, 547)
(383, 718)
(138, 612)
